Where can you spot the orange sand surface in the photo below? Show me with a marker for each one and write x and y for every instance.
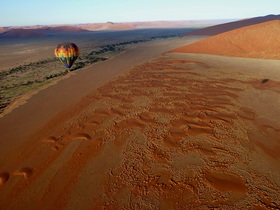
(224, 27)
(177, 132)
(256, 41)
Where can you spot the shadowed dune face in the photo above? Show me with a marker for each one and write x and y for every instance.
(256, 41)
(38, 32)
(43, 31)
(2, 29)
(112, 26)
(22, 33)
(63, 29)
(172, 133)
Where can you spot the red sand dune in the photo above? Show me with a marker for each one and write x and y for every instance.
(106, 26)
(62, 29)
(178, 131)
(159, 24)
(22, 33)
(137, 25)
(178, 24)
(167, 134)
(217, 29)
(40, 30)
(36, 31)
(256, 41)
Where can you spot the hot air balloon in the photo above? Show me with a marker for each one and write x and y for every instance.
(67, 53)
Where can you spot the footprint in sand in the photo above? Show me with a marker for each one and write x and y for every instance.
(81, 136)
(51, 139)
(26, 172)
(4, 177)
(54, 141)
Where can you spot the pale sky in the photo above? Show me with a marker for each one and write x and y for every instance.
(43, 12)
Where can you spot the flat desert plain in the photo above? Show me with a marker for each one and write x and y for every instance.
(146, 130)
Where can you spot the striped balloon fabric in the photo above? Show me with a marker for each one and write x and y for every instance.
(67, 53)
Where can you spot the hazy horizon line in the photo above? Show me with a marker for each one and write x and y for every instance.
(119, 22)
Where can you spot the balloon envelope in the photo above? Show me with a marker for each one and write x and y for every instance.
(67, 53)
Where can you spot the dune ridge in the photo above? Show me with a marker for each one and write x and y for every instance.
(38, 32)
(42, 30)
(256, 41)
(22, 33)
(224, 27)
(170, 133)
(179, 131)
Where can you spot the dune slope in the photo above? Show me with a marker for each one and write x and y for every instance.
(22, 33)
(38, 32)
(172, 133)
(221, 28)
(256, 41)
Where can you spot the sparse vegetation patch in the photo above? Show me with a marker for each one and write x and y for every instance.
(24, 78)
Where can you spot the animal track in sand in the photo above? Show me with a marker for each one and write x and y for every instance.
(26, 172)
(4, 177)
(100, 115)
(54, 141)
(55, 148)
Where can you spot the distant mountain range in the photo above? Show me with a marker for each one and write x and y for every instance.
(37, 31)
(206, 27)
(42, 31)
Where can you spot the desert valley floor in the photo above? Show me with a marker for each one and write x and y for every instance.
(161, 131)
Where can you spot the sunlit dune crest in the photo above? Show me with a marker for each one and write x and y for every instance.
(256, 41)
(224, 27)
(149, 24)
(106, 26)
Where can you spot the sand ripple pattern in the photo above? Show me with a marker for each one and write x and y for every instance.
(169, 134)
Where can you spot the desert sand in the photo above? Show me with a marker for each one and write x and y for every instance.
(255, 41)
(23, 50)
(39, 30)
(147, 130)
(232, 25)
